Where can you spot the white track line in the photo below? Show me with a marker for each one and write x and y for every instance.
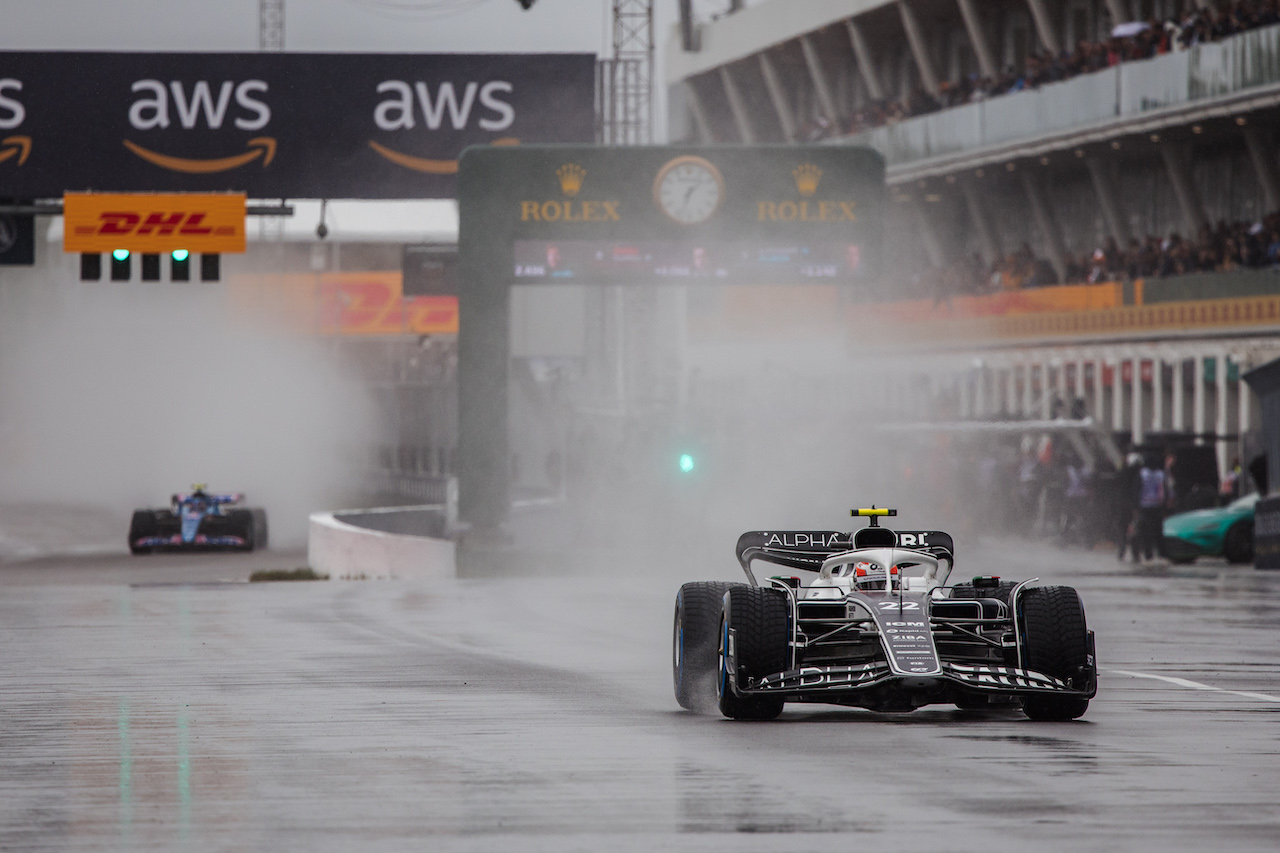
(1194, 685)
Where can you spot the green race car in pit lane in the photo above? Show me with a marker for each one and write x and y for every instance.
(1225, 531)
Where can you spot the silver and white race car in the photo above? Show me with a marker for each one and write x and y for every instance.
(876, 626)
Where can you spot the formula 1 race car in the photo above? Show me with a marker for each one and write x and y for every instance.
(1218, 531)
(878, 628)
(196, 522)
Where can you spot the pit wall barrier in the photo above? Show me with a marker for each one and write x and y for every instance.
(397, 543)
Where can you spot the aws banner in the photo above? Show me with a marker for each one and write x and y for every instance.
(276, 125)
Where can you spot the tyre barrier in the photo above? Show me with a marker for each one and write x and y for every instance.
(396, 543)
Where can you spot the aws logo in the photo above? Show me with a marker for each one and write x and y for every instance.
(400, 109)
(12, 112)
(571, 177)
(12, 115)
(157, 106)
(19, 146)
(807, 177)
(259, 146)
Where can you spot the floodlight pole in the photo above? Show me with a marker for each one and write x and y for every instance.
(626, 80)
(271, 25)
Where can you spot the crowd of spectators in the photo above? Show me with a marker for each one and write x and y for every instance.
(1139, 40)
(1224, 247)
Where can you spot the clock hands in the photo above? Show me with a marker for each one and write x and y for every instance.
(688, 195)
(688, 189)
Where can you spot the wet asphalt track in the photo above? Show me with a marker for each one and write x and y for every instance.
(137, 712)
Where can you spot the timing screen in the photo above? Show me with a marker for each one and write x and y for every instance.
(606, 262)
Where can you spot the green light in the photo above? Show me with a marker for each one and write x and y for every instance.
(120, 254)
(686, 462)
(181, 254)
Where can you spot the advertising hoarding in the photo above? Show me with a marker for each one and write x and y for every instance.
(276, 125)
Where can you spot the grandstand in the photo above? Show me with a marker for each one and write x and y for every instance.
(1084, 190)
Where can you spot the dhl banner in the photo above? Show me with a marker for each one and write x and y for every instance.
(371, 303)
(153, 222)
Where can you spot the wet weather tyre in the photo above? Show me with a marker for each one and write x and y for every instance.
(259, 529)
(695, 643)
(240, 523)
(760, 621)
(1055, 642)
(142, 524)
(1237, 545)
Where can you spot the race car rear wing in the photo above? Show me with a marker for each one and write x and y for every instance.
(234, 497)
(807, 549)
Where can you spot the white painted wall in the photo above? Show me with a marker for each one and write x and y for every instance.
(343, 550)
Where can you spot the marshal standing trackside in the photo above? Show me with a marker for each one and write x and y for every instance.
(878, 627)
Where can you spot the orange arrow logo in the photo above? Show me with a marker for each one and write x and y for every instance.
(431, 167)
(20, 144)
(262, 146)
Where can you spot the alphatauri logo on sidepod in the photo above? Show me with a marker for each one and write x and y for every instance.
(404, 107)
(160, 106)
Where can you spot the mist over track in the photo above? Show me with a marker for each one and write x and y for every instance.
(147, 705)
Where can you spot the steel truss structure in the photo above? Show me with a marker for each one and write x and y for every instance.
(624, 83)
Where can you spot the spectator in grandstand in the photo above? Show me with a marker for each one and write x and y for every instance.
(1140, 40)
(1221, 248)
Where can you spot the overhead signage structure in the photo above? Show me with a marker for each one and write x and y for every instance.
(638, 215)
(154, 222)
(276, 125)
(761, 215)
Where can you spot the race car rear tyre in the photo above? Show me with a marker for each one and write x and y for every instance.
(1237, 545)
(259, 529)
(694, 643)
(1055, 641)
(240, 522)
(142, 524)
(760, 620)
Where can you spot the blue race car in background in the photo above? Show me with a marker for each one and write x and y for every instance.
(198, 521)
(1225, 531)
